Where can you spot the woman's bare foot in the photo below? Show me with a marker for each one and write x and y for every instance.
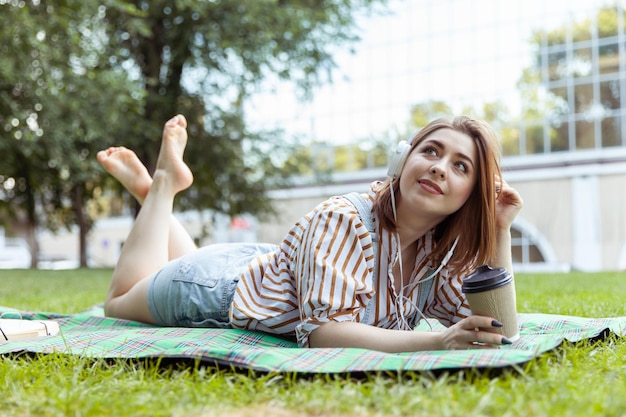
(170, 166)
(124, 165)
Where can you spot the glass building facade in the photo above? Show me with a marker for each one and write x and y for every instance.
(547, 74)
(550, 76)
(577, 85)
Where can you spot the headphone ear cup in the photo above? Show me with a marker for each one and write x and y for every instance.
(397, 159)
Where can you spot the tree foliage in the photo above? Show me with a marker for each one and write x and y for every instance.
(78, 76)
(204, 59)
(57, 102)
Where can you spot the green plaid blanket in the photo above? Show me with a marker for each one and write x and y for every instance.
(89, 334)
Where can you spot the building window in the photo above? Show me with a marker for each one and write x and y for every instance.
(611, 132)
(524, 249)
(576, 87)
(531, 250)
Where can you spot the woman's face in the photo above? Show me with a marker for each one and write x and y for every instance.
(439, 174)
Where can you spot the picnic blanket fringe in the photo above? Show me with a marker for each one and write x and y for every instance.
(90, 334)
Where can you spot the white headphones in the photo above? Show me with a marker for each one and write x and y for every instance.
(398, 158)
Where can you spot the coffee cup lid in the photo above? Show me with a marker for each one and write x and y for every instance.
(485, 278)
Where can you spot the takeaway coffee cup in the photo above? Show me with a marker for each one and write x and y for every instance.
(491, 292)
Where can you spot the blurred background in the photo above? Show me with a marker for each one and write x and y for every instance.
(290, 102)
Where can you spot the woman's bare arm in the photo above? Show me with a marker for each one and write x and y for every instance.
(463, 335)
(508, 205)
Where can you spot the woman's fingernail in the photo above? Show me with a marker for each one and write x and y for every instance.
(496, 323)
(506, 341)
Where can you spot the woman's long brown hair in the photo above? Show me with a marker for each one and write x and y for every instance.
(475, 222)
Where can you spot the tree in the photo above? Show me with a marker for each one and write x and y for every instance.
(56, 104)
(204, 60)
(423, 113)
(78, 76)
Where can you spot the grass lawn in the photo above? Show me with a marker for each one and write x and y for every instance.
(587, 379)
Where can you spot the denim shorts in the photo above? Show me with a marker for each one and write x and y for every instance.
(197, 289)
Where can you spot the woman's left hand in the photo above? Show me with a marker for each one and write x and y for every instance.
(508, 204)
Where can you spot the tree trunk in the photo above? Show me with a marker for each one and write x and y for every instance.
(31, 214)
(83, 228)
(31, 238)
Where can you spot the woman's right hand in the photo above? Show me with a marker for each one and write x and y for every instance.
(474, 332)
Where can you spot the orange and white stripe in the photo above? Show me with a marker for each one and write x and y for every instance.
(323, 270)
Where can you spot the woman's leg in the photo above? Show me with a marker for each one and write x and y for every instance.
(124, 165)
(146, 248)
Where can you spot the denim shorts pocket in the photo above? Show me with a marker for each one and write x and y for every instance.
(200, 300)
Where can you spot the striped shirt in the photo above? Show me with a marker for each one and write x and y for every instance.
(324, 270)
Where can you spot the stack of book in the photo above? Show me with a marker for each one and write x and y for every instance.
(15, 329)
